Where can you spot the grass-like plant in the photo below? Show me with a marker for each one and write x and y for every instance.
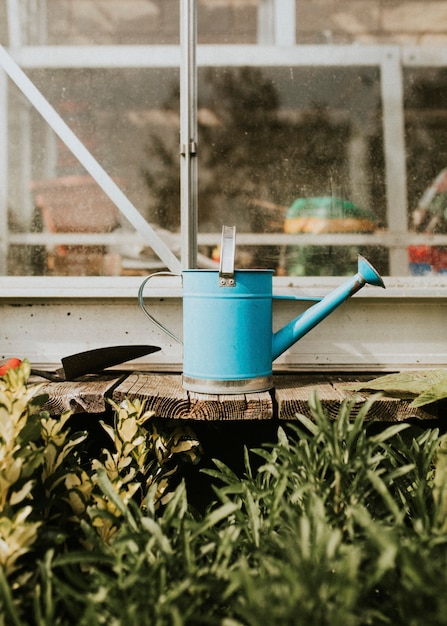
(339, 522)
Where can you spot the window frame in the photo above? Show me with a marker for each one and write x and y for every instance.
(275, 47)
(390, 59)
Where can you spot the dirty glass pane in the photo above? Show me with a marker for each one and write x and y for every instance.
(400, 22)
(81, 22)
(123, 119)
(426, 128)
(298, 151)
(227, 21)
(147, 21)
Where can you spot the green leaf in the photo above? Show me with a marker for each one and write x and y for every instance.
(252, 515)
(403, 384)
(390, 432)
(8, 602)
(308, 423)
(216, 516)
(436, 392)
(381, 488)
(19, 496)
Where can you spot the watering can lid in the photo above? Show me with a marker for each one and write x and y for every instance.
(228, 247)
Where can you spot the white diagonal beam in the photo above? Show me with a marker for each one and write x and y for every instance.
(88, 161)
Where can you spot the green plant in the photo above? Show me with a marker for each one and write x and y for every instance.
(54, 503)
(36, 458)
(339, 521)
(341, 526)
(422, 387)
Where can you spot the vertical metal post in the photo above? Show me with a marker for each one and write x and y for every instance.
(284, 22)
(25, 149)
(395, 155)
(43, 21)
(14, 24)
(188, 134)
(3, 171)
(266, 22)
(276, 22)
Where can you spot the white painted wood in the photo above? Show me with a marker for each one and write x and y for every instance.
(400, 327)
(276, 22)
(14, 23)
(207, 55)
(97, 56)
(426, 56)
(109, 287)
(382, 238)
(265, 26)
(284, 22)
(26, 206)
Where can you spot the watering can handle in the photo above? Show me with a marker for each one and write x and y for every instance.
(143, 307)
(227, 250)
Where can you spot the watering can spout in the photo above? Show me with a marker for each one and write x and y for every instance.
(300, 326)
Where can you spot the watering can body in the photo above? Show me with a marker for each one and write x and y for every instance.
(227, 331)
(228, 343)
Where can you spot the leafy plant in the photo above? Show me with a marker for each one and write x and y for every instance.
(422, 386)
(338, 521)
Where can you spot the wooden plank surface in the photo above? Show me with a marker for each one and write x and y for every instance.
(292, 394)
(164, 394)
(85, 395)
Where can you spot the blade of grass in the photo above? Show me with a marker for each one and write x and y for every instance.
(8, 602)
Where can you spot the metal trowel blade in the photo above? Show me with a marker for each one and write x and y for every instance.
(94, 361)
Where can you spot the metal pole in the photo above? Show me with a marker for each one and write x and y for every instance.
(4, 230)
(394, 149)
(14, 24)
(276, 22)
(284, 22)
(266, 22)
(188, 134)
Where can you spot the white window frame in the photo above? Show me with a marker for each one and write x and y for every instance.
(276, 47)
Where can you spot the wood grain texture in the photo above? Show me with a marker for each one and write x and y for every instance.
(293, 392)
(86, 395)
(164, 394)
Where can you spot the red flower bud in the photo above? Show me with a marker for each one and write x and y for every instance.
(9, 365)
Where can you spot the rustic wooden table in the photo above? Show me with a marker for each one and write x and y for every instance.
(163, 393)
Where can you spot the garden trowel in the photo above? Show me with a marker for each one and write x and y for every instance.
(94, 361)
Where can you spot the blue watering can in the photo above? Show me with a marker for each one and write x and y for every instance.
(228, 343)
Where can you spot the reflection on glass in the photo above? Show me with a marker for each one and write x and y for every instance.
(272, 137)
(119, 115)
(112, 22)
(426, 126)
(155, 22)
